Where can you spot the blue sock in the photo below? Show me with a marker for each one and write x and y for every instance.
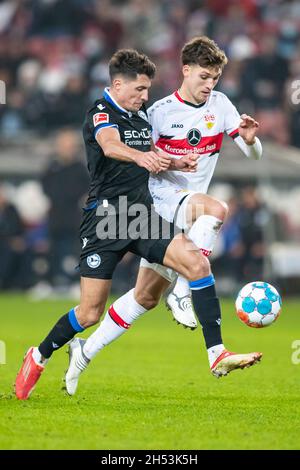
(64, 330)
(207, 308)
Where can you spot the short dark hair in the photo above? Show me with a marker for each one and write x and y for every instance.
(203, 51)
(131, 63)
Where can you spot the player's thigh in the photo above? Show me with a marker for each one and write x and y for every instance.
(96, 271)
(198, 204)
(152, 279)
(98, 260)
(150, 285)
(94, 294)
(184, 257)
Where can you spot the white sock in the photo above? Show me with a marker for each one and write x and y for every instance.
(37, 357)
(204, 234)
(119, 317)
(214, 352)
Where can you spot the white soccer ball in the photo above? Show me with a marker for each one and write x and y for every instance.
(258, 304)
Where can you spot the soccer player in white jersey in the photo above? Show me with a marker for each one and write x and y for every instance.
(191, 120)
(194, 119)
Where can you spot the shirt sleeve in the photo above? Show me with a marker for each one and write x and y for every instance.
(232, 124)
(155, 119)
(232, 119)
(253, 151)
(101, 118)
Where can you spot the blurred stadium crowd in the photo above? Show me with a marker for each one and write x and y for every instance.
(53, 61)
(53, 55)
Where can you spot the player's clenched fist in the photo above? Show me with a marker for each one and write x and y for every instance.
(164, 160)
(187, 163)
(149, 161)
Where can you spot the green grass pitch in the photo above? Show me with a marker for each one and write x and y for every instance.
(152, 388)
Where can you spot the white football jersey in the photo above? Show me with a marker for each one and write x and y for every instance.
(179, 127)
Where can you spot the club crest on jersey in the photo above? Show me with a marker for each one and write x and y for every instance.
(209, 120)
(193, 137)
(100, 118)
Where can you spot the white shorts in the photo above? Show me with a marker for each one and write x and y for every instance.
(163, 271)
(167, 205)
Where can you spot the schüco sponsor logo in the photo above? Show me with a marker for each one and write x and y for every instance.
(133, 134)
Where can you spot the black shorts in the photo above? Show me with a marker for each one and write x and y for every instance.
(100, 254)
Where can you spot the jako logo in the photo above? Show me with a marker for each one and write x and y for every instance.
(177, 126)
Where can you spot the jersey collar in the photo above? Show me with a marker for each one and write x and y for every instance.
(176, 93)
(107, 96)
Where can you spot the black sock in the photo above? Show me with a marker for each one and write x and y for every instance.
(208, 310)
(60, 334)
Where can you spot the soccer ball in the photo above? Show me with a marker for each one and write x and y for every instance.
(258, 304)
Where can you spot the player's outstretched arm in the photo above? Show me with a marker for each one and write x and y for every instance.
(110, 142)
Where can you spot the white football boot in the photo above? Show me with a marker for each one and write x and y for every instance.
(182, 310)
(228, 361)
(78, 362)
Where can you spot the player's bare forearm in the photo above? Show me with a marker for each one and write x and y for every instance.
(120, 151)
(110, 142)
(147, 160)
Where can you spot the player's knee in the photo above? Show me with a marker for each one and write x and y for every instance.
(198, 268)
(147, 300)
(223, 209)
(90, 316)
(219, 209)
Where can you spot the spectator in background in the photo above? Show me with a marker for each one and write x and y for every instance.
(56, 17)
(12, 120)
(263, 82)
(252, 218)
(261, 39)
(73, 102)
(65, 182)
(12, 244)
(232, 250)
